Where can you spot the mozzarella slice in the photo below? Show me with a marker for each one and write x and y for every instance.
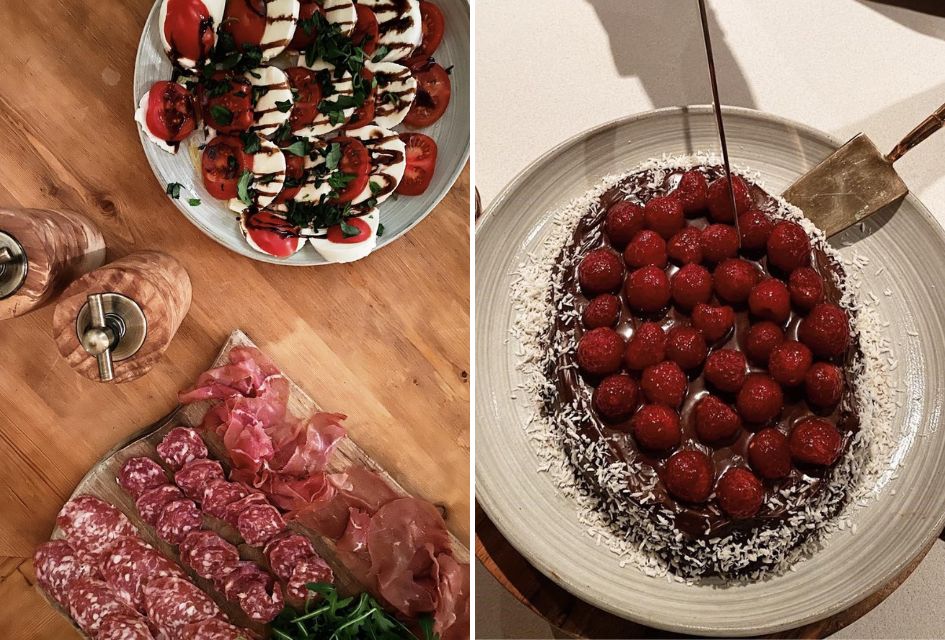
(341, 13)
(315, 184)
(282, 16)
(289, 245)
(343, 86)
(272, 99)
(268, 171)
(348, 252)
(141, 116)
(396, 90)
(399, 25)
(388, 161)
(214, 7)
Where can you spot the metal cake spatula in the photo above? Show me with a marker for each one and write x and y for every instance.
(856, 180)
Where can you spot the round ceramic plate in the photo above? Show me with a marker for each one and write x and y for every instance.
(398, 215)
(542, 524)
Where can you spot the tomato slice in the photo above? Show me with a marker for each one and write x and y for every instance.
(433, 93)
(366, 30)
(356, 162)
(306, 32)
(222, 163)
(308, 95)
(171, 113)
(421, 163)
(335, 234)
(188, 28)
(226, 102)
(245, 20)
(294, 174)
(364, 115)
(272, 234)
(433, 25)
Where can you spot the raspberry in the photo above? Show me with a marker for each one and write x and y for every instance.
(600, 351)
(769, 455)
(720, 202)
(762, 339)
(770, 300)
(602, 311)
(647, 347)
(788, 246)
(734, 279)
(691, 285)
(823, 385)
(807, 288)
(825, 330)
(686, 347)
(719, 241)
(691, 192)
(760, 399)
(714, 322)
(656, 428)
(726, 370)
(647, 248)
(615, 397)
(647, 289)
(624, 220)
(664, 383)
(715, 421)
(755, 227)
(789, 363)
(740, 493)
(688, 476)
(815, 441)
(600, 271)
(686, 246)
(664, 215)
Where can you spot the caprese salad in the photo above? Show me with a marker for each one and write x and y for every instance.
(302, 114)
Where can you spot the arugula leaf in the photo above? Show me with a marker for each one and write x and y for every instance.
(334, 156)
(298, 148)
(194, 202)
(242, 187)
(221, 114)
(173, 189)
(251, 142)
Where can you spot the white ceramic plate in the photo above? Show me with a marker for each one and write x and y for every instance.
(398, 215)
(542, 524)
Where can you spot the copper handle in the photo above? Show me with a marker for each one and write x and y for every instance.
(925, 128)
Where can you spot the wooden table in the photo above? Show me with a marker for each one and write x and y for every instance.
(574, 618)
(384, 340)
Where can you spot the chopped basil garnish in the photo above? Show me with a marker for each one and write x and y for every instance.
(380, 230)
(242, 187)
(375, 188)
(339, 180)
(334, 156)
(221, 114)
(194, 202)
(284, 105)
(298, 148)
(380, 53)
(173, 189)
(349, 230)
(251, 142)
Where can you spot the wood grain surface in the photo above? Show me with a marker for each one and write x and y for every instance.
(384, 340)
(574, 618)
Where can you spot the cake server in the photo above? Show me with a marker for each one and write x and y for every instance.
(856, 180)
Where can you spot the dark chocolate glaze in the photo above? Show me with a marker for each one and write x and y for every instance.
(572, 388)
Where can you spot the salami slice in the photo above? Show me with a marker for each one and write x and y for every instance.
(213, 629)
(138, 475)
(174, 602)
(120, 626)
(180, 446)
(284, 553)
(152, 502)
(91, 601)
(177, 519)
(131, 563)
(220, 494)
(259, 523)
(194, 477)
(92, 525)
(307, 570)
(57, 566)
(255, 591)
(233, 511)
(208, 554)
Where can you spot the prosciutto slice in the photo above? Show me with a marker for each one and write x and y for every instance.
(357, 488)
(249, 373)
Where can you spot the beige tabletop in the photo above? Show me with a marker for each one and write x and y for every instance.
(549, 69)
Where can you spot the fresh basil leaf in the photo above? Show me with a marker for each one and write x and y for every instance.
(339, 180)
(380, 53)
(334, 156)
(221, 114)
(380, 230)
(242, 188)
(194, 202)
(251, 142)
(284, 105)
(298, 148)
(375, 187)
(349, 230)
(173, 189)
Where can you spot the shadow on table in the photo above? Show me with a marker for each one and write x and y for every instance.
(913, 14)
(661, 43)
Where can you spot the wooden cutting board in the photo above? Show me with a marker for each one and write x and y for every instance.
(101, 481)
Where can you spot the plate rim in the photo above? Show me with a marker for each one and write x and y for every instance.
(487, 219)
(258, 256)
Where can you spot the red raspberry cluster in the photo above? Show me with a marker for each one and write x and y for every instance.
(678, 272)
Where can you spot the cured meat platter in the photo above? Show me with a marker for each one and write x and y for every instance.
(109, 481)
